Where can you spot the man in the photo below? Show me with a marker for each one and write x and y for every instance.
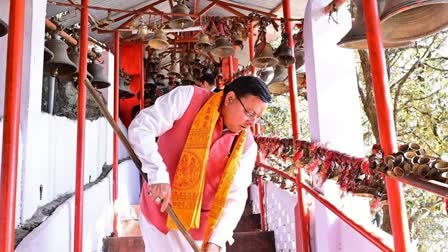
(207, 81)
(202, 162)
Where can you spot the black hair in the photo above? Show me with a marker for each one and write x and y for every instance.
(249, 85)
(208, 77)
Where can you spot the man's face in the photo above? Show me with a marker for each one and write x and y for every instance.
(241, 112)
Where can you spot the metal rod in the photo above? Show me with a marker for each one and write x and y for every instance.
(80, 144)
(136, 161)
(397, 207)
(50, 98)
(431, 186)
(377, 241)
(142, 80)
(10, 144)
(251, 47)
(281, 173)
(116, 118)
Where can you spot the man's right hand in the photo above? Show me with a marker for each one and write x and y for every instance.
(160, 193)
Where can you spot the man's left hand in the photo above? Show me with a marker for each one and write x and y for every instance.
(211, 247)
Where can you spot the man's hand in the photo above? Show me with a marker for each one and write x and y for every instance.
(211, 247)
(160, 193)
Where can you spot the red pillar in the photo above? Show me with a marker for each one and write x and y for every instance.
(79, 188)
(302, 221)
(10, 146)
(397, 207)
(230, 67)
(115, 139)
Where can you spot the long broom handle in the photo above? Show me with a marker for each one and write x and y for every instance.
(137, 162)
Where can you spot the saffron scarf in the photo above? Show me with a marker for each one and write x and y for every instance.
(188, 184)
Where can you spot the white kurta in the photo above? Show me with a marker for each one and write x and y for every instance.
(152, 122)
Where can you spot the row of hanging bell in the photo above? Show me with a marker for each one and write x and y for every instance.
(159, 41)
(223, 48)
(402, 21)
(267, 58)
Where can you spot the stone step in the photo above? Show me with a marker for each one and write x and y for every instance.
(123, 244)
(249, 223)
(254, 241)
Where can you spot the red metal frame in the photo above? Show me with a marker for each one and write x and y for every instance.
(397, 207)
(10, 145)
(80, 148)
(251, 46)
(142, 84)
(116, 118)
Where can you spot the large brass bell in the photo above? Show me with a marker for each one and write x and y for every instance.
(279, 84)
(180, 22)
(356, 37)
(222, 47)
(123, 89)
(203, 43)
(404, 20)
(237, 39)
(264, 56)
(73, 55)
(60, 64)
(159, 42)
(284, 55)
(99, 80)
(48, 54)
(3, 28)
(174, 70)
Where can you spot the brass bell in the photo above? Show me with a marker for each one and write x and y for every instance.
(356, 37)
(237, 39)
(123, 89)
(48, 54)
(161, 75)
(279, 84)
(60, 64)
(284, 55)
(266, 74)
(188, 79)
(159, 42)
(264, 57)
(174, 70)
(222, 47)
(299, 55)
(404, 20)
(154, 57)
(73, 55)
(180, 22)
(203, 43)
(99, 80)
(3, 28)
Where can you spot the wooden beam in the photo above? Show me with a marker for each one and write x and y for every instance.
(196, 6)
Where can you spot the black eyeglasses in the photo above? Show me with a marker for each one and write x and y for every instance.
(251, 116)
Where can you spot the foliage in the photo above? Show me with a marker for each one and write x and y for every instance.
(419, 91)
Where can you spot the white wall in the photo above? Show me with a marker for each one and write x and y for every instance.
(56, 234)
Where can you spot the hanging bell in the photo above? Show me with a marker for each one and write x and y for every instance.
(279, 84)
(154, 57)
(237, 39)
(60, 64)
(188, 79)
(99, 80)
(48, 54)
(180, 22)
(222, 47)
(264, 57)
(356, 37)
(299, 55)
(265, 74)
(161, 75)
(174, 70)
(3, 28)
(404, 20)
(73, 55)
(284, 55)
(123, 89)
(203, 43)
(159, 42)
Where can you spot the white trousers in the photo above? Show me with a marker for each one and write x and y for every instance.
(156, 241)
